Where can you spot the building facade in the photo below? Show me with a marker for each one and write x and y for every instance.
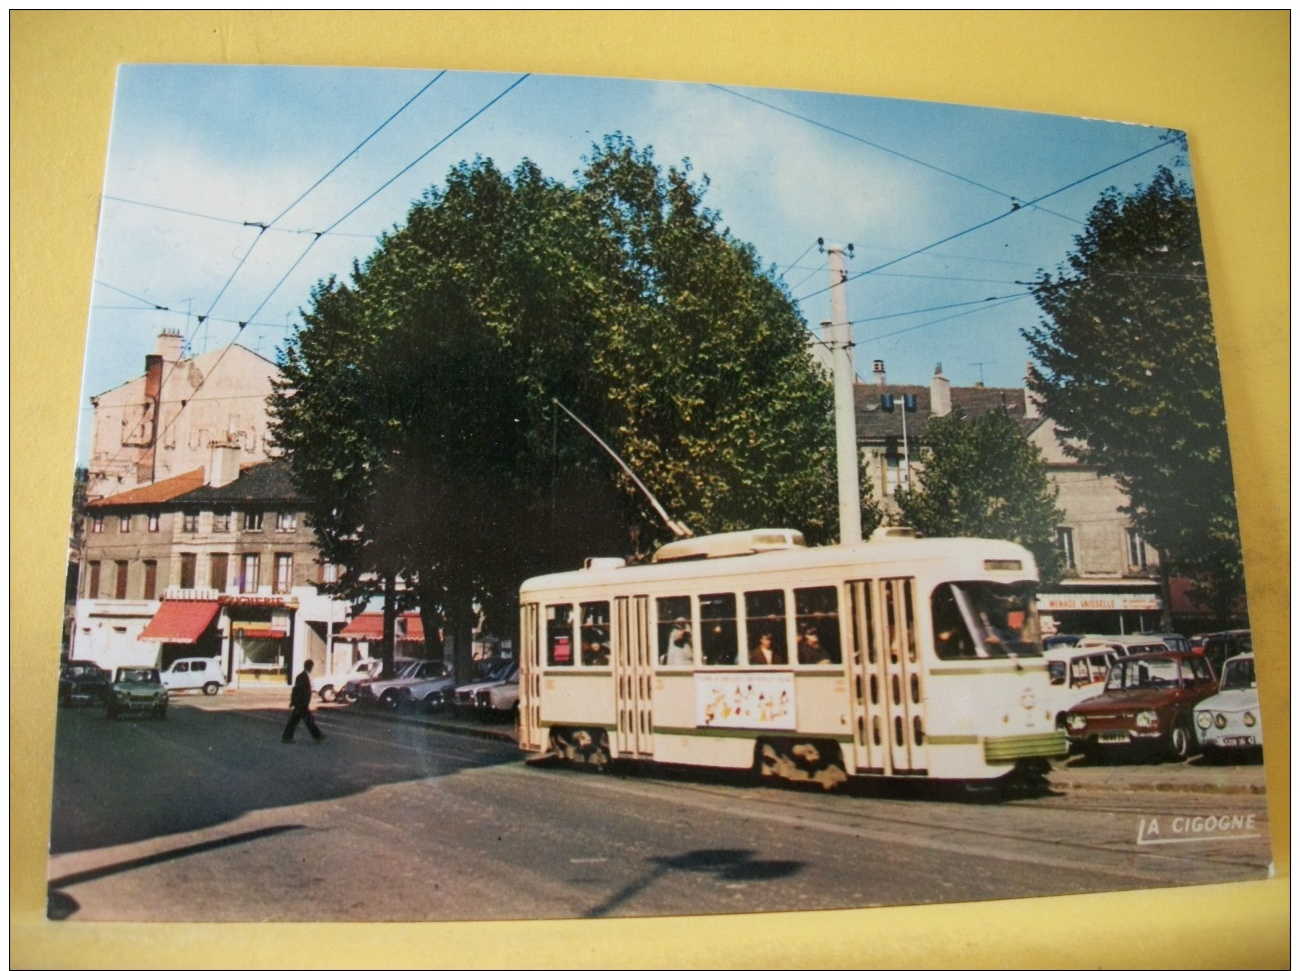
(1110, 584)
(164, 423)
(216, 562)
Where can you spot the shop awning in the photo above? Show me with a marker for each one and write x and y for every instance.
(370, 627)
(180, 621)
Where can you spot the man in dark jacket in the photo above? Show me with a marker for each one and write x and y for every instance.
(300, 702)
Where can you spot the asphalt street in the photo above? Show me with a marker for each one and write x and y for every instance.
(206, 816)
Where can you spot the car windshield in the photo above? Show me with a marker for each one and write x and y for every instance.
(137, 676)
(1238, 674)
(1158, 673)
(978, 619)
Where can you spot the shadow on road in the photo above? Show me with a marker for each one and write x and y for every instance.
(121, 782)
(725, 866)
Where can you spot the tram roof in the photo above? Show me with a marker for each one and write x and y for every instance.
(971, 557)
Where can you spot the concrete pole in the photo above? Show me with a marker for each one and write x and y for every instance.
(846, 430)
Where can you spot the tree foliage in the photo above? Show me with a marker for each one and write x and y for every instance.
(1126, 365)
(983, 477)
(415, 402)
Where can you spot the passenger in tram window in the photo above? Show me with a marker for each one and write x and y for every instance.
(681, 646)
(810, 647)
(765, 652)
(595, 653)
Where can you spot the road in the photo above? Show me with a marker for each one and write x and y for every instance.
(206, 816)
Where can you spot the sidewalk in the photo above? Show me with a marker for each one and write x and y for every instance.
(1193, 776)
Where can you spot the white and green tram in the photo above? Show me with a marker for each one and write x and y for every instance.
(896, 657)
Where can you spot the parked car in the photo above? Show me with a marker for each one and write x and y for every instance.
(427, 694)
(500, 700)
(1148, 704)
(1229, 721)
(351, 690)
(1074, 675)
(137, 691)
(1126, 644)
(1225, 644)
(82, 682)
(388, 691)
(463, 700)
(199, 673)
(331, 687)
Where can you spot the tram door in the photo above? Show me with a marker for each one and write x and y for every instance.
(889, 734)
(632, 677)
(530, 680)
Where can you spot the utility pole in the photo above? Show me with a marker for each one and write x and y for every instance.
(840, 338)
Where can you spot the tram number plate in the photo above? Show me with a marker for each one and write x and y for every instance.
(1113, 738)
(1236, 741)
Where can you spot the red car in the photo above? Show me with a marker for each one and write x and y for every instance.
(1147, 705)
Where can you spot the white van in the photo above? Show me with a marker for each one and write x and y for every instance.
(1076, 674)
(194, 672)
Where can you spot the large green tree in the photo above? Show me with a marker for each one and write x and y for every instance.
(1126, 365)
(416, 399)
(982, 477)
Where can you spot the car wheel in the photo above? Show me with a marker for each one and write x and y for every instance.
(1180, 740)
(328, 694)
(211, 688)
(389, 698)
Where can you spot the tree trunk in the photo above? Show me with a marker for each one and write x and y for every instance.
(1166, 595)
(390, 624)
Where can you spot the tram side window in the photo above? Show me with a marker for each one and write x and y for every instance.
(559, 635)
(676, 639)
(765, 634)
(817, 620)
(718, 628)
(594, 632)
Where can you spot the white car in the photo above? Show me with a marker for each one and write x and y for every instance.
(498, 700)
(1229, 721)
(388, 692)
(198, 673)
(330, 687)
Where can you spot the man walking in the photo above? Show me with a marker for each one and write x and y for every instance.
(300, 702)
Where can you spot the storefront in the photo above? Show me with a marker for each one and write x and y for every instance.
(260, 642)
(1110, 608)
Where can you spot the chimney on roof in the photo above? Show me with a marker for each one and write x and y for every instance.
(878, 372)
(940, 393)
(169, 345)
(223, 464)
(1033, 407)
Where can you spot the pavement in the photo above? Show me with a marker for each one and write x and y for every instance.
(1193, 776)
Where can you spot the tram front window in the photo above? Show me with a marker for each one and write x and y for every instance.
(978, 619)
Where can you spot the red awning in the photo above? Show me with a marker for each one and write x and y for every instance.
(180, 621)
(370, 627)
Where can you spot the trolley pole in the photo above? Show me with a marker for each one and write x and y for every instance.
(846, 429)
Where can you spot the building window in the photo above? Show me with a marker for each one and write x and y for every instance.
(249, 573)
(190, 524)
(92, 583)
(252, 522)
(220, 567)
(1137, 549)
(283, 572)
(286, 522)
(221, 521)
(124, 524)
(150, 579)
(153, 522)
(188, 561)
(1065, 540)
(329, 572)
(122, 570)
(97, 524)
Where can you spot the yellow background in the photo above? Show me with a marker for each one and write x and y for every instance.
(1222, 77)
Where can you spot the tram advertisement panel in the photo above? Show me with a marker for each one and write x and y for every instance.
(745, 700)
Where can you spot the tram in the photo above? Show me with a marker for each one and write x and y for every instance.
(895, 657)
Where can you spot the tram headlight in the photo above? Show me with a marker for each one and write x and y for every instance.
(1147, 719)
(1204, 720)
(1249, 719)
(1027, 699)
(1076, 723)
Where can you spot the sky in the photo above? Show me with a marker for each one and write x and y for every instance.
(950, 209)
